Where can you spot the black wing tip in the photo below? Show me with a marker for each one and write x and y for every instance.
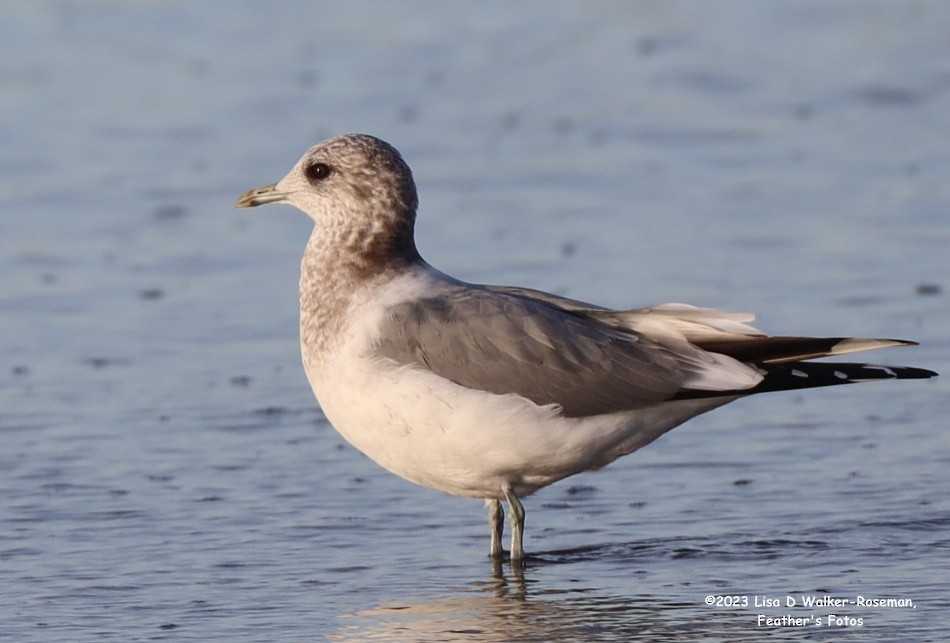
(802, 375)
(811, 374)
(917, 373)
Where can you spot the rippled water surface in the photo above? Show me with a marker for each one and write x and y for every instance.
(164, 470)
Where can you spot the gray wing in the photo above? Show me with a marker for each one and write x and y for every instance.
(510, 342)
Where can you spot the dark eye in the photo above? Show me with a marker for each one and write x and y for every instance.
(316, 172)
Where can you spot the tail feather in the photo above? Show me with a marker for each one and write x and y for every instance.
(781, 362)
(785, 350)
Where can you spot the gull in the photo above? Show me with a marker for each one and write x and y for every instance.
(493, 392)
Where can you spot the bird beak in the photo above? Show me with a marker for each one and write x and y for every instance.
(260, 196)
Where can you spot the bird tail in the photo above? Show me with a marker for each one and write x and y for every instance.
(782, 362)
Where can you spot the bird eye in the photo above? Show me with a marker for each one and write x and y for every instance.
(317, 172)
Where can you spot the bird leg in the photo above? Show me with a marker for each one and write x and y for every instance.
(516, 515)
(496, 520)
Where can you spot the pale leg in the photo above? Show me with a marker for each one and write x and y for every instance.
(496, 520)
(516, 514)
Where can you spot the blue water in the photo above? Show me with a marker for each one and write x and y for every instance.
(164, 470)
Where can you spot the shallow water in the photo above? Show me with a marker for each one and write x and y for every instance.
(164, 471)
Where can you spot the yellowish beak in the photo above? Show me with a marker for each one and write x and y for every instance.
(260, 196)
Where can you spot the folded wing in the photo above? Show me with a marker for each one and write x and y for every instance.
(503, 341)
(590, 360)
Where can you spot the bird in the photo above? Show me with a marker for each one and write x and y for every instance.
(493, 392)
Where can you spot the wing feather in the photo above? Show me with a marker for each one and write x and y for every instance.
(509, 342)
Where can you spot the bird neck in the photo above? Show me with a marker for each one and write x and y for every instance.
(333, 273)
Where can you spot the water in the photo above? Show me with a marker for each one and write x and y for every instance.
(164, 471)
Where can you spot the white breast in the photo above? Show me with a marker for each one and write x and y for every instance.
(462, 441)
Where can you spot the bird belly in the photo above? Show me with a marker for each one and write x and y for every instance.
(466, 442)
